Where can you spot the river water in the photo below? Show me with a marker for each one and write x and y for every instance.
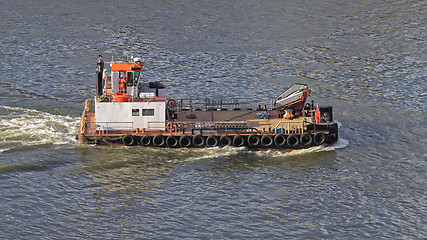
(365, 58)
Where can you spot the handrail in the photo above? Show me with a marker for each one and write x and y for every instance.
(289, 127)
(161, 125)
(211, 103)
(109, 126)
(226, 126)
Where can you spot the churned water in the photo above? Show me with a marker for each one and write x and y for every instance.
(365, 58)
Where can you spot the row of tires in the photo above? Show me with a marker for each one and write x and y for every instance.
(256, 141)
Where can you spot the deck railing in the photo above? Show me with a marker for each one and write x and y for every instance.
(159, 125)
(290, 127)
(105, 127)
(212, 103)
(234, 127)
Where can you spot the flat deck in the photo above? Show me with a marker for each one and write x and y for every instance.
(88, 127)
(235, 116)
(220, 116)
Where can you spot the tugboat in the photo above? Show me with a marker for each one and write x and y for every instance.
(130, 111)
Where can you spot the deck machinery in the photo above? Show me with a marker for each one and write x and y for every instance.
(128, 110)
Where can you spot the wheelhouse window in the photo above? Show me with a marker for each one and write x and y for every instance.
(135, 112)
(132, 78)
(147, 112)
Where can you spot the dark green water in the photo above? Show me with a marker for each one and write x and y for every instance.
(367, 59)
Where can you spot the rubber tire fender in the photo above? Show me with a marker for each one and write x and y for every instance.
(172, 141)
(293, 141)
(238, 141)
(159, 140)
(145, 141)
(306, 139)
(199, 140)
(212, 141)
(280, 140)
(128, 140)
(185, 141)
(254, 140)
(225, 140)
(267, 141)
(111, 139)
(319, 138)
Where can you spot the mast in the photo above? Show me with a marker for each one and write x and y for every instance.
(99, 73)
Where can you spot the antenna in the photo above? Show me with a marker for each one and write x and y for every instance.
(129, 53)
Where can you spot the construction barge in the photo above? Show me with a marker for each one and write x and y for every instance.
(130, 111)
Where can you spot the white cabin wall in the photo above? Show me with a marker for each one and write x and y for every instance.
(118, 115)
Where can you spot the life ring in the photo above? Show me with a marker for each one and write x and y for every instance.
(199, 141)
(185, 141)
(171, 103)
(212, 141)
(292, 141)
(319, 138)
(225, 140)
(128, 140)
(254, 140)
(280, 140)
(145, 141)
(172, 126)
(159, 140)
(267, 141)
(306, 139)
(238, 141)
(172, 141)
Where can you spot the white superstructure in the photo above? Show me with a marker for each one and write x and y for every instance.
(130, 115)
(124, 102)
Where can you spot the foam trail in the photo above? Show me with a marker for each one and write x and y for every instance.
(194, 154)
(217, 152)
(341, 143)
(23, 128)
